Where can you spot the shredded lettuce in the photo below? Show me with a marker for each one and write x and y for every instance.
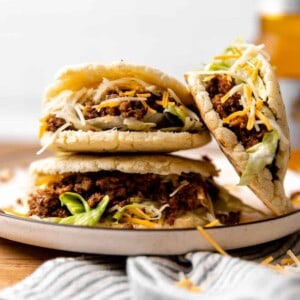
(260, 155)
(136, 125)
(119, 214)
(86, 218)
(176, 111)
(74, 202)
(227, 203)
(218, 65)
(148, 209)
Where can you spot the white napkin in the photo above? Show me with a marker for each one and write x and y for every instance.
(239, 276)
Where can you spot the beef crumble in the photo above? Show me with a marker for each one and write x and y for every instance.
(120, 187)
(217, 87)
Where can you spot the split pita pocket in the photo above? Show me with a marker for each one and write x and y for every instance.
(239, 100)
(130, 191)
(119, 108)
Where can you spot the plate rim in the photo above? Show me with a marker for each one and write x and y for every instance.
(41, 222)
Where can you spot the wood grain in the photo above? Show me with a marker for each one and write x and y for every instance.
(18, 260)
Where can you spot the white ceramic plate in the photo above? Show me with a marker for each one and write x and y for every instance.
(133, 242)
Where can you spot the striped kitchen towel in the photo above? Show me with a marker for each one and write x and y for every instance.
(198, 275)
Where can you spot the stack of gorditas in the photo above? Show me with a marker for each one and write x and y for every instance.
(113, 130)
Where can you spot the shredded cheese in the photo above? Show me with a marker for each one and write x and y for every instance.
(151, 110)
(291, 263)
(144, 95)
(127, 93)
(164, 101)
(188, 284)
(181, 186)
(245, 67)
(53, 137)
(46, 179)
(235, 89)
(267, 260)
(145, 223)
(263, 118)
(213, 223)
(211, 241)
(294, 258)
(239, 113)
(226, 56)
(11, 211)
(78, 108)
(43, 127)
(116, 101)
(138, 212)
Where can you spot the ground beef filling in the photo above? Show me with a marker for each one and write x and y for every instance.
(120, 187)
(217, 87)
(125, 109)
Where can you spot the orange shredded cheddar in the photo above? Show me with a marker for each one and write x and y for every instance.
(211, 241)
(214, 223)
(225, 56)
(186, 283)
(264, 119)
(108, 104)
(127, 93)
(267, 260)
(236, 114)
(145, 223)
(151, 110)
(144, 95)
(43, 127)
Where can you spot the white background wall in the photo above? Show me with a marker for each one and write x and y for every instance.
(39, 37)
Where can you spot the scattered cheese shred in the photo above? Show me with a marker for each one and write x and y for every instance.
(286, 264)
(186, 283)
(213, 223)
(211, 241)
(288, 260)
(294, 258)
(267, 260)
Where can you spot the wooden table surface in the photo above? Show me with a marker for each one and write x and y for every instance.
(18, 260)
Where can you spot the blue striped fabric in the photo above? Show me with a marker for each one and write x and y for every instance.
(233, 277)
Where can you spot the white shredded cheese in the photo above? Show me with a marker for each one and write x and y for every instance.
(60, 129)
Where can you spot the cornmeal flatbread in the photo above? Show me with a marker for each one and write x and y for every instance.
(119, 107)
(130, 191)
(239, 99)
